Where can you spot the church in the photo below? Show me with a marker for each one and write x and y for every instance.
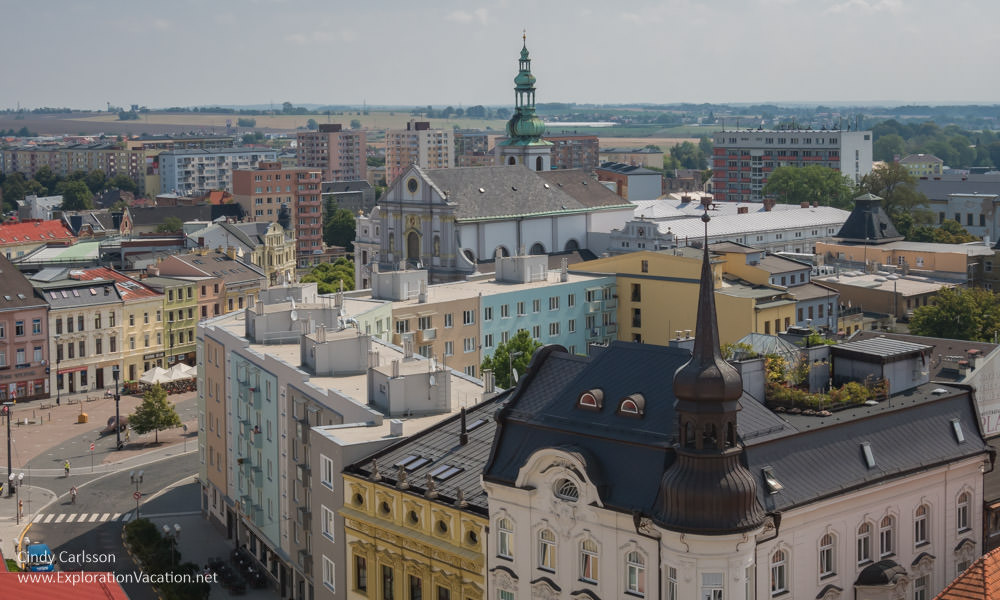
(449, 220)
(653, 472)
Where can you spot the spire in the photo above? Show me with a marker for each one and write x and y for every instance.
(707, 490)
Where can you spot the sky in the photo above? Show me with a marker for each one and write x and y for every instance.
(86, 53)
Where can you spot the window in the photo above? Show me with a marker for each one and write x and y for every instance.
(536, 331)
(672, 584)
(20, 357)
(635, 574)
(131, 320)
(504, 311)
(920, 525)
(145, 318)
(571, 326)
(645, 266)
(779, 583)
(360, 573)
(505, 538)
(402, 326)
(504, 594)
(449, 348)
(449, 320)
(536, 305)
(864, 543)
(488, 340)
(416, 588)
(469, 344)
(423, 323)
(588, 561)
(554, 328)
(488, 313)
(636, 292)
(329, 574)
(468, 317)
(19, 328)
(328, 524)
(827, 566)
(920, 585)
(554, 303)
(571, 300)
(326, 471)
(636, 317)
(546, 550)
(443, 592)
(712, 586)
(520, 309)
(885, 536)
(387, 589)
(962, 511)
(36, 326)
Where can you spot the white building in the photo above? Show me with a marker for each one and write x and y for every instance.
(195, 171)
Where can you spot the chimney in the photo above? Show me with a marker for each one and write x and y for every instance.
(321, 333)
(489, 382)
(373, 359)
(803, 205)
(201, 241)
(407, 346)
(395, 369)
(395, 427)
(422, 295)
(769, 204)
(231, 252)
(564, 270)
(463, 436)
(742, 210)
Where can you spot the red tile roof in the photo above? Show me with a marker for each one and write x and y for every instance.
(34, 231)
(981, 581)
(129, 288)
(48, 586)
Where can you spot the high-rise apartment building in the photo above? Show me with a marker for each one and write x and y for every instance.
(264, 190)
(193, 172)
(741, 160)
(418, 144)
(340, 154)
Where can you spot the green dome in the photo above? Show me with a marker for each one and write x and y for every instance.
(524, 52)
(524, 79)
(525, 126)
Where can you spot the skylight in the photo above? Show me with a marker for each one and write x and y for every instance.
(956, 425)
(412, 462)
(475, 424)
(406, 460)
(866, 447)
(773, 485)
(445, 471)
(76, 293)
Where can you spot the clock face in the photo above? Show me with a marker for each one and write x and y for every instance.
(412, 185)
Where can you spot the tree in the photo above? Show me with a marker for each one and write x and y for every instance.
(287, 107)
(47, 178)
(355, 124)
(813, 183)
(898, 189)
(328, 276)
(155, 413)
(95, 180)
(76, 195)
(888, 146)
(949, 231)
(123, 182)
(312, 125)
(500, 360)
(689, 156)
(959, 313)
(170, 225)
(246, 122)
(338, 228)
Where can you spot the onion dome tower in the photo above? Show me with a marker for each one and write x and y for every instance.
(524, 144)
(707, 490)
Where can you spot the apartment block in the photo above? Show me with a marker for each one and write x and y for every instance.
(575, 152)
(197, 171)
(420, 145)
(341, 155)
(263, 190)
(24, 335)
(741, 160)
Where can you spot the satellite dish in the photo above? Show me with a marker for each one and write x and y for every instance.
(514, 375)
(431, 380)
(294, 315)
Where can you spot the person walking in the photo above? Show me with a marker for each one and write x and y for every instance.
(72, 495)
(66, 468)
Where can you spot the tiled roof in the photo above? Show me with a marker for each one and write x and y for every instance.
(34, 231)
(920, 158)
(981, 581)
(129, 288)
(17, 292)
(217, 264)
(584, 188)
(16, 585)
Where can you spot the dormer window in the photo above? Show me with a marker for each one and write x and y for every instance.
(567, 490)
(591, 400)
(773, 485)
(632, 406)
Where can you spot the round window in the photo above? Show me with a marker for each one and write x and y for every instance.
(442, 527)
(472, 538)
(412, 185)
(359, 499)
(412, 516)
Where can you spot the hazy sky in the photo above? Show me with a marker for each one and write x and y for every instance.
(82, 54)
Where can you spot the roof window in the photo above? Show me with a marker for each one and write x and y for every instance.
(956, 426)
(773, 485)
(475, 424)
(567, 490)
(443, 472)
(866, 448)
(591, 399)
(632, 406)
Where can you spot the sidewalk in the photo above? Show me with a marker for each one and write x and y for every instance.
(33, 499)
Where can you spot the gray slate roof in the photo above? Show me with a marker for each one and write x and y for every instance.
(938, 189)
(880, 347)
(154, 215)
(506, 191)
(440, 446)
(17, 292)
(542, 413)
(940, 347)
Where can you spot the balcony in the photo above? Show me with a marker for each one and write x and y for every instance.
(425, 335)
(304, 517)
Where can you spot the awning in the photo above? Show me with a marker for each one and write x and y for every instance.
(72, 370)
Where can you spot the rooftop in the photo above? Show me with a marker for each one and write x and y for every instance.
(740, 225)
(909, 285)
(129, 288)
(940, 348)
(460, 290)
(24, 232)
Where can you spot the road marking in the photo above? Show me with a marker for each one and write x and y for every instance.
(115, 516)
(126, 517)
(49, 518)
(70, 518)
(105, 516)
(60, 518)
(93, 517)
(37, 518)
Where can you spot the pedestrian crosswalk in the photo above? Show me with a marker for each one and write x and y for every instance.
(97, 517)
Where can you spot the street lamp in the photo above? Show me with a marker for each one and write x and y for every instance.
(118, 423)
(510, 367)
(173, 535)
(7, 408)
(15, 482)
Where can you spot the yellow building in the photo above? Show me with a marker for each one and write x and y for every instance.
(946, 260)
(658, 297)
(922, 165)
(415, 514)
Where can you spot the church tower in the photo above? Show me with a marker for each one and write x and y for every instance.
(524, 144)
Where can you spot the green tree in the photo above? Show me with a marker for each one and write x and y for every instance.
(170, 225)
(329, 275)
(355, 124)
(312, 125)
(287, 107)
(501, 362)
(47, 178)
(95, 180)
(76, 195)
(339, 228)
(888, 146)
(948, 232)
(155, 413)
(812, 184)
(123, 182)
(246, 122)
(898, 190)
(959, 313)
(689, 156)
(15, 187)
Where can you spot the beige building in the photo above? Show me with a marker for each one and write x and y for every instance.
(922, 165)
(340, 154)
(266, 245)
(420, 145)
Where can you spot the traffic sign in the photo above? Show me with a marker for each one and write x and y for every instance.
(91, 446)
(137, 495)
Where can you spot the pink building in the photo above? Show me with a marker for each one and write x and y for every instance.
(24, 354)
(341, 155)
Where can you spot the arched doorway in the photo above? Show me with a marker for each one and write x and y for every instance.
(537, 248)
(413, 246)
(572, 245)
(538, 164)
(511, 161)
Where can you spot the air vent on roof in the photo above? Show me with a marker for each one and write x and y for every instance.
(482, 191)
(773, 485)
(7, 298)
(956, 426)
(939, 391)
(866, 448)
(546, 185)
